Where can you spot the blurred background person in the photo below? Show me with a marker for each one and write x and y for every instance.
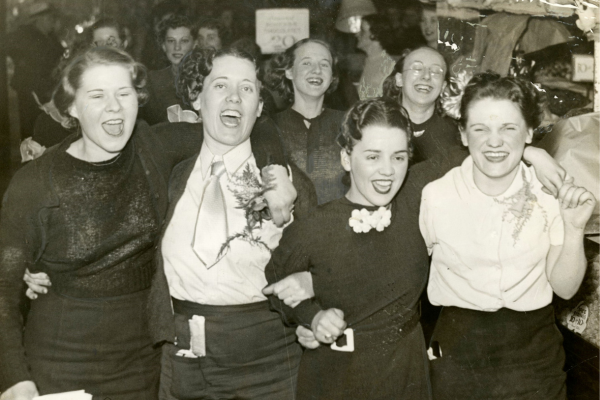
(429, 24)
(211, 33)
(176, 35)
(35, 52)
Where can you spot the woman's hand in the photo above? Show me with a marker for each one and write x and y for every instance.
(306, 338)
(577, 205)
(24, 390)
(292, 289)
(328, 325)
(281, 198)
(37, 283)
(547, 169)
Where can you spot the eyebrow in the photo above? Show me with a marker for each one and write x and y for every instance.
(379, 151)
(227, 78)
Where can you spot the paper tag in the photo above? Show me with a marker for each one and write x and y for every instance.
(577, 318)
(198, 336)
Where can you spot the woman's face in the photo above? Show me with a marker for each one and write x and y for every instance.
(377, 165)
(495, 133)
(312, 71)
(229, 103)
(429, 26)
(209, 38)
(177, 43)
(107, 36)
(423, 78)
(106, 106)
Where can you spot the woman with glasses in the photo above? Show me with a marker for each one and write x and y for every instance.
(417, 82)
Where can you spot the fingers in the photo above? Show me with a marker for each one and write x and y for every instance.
(31, 294)
(329, 325)
(39, 278)
(306, 338)
(588, 199)
(269, 290)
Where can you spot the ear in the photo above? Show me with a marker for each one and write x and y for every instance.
(529, 137)
(260, 108)
(345, 158)
(288, 74)
(73, 111)
(164, 48)
(398, 77)
(463, 137)
(444, 86)
(124, 44)
(196, 103)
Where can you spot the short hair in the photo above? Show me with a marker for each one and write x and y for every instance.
(174, 21)
(381, 30)
(518, 90)
(107, 22)
(197, 65)
(379, 111)
(213, 24)
(283, 61)
(70, 79)
(391, 90)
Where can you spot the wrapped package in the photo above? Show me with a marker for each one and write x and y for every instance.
(575, 144)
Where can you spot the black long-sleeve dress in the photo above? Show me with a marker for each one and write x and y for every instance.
(376, 279)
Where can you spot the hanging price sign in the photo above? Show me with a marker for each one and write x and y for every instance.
(279, 28)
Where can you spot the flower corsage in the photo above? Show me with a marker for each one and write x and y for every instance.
(364, 220)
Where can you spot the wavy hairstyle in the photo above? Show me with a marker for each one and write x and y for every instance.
(70, 79)
(197, 65)
(380, 111)
(275, 75)
(174, 21)
(491, 85)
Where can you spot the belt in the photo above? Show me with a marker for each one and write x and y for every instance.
(363, 337)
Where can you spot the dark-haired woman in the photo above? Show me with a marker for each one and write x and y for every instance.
(87, 213)
(368, 266)
(500, 248)
(176, 36)
(304, 74)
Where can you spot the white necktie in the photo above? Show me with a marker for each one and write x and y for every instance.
(211, 226)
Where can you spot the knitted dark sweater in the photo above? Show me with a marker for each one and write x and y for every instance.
(315, 150)
(434, 137)
(359, 273)
(101, 238)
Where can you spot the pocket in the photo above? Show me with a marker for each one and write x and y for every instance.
(187, 378)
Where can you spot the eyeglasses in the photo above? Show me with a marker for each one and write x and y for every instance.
(418, 69)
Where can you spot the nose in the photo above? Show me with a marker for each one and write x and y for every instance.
(426, 73)
(317, 68)
(113, 104)
(386, 168)
(177, 45)
(494, 139)
(233, 96)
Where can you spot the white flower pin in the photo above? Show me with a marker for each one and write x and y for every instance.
(364, 220)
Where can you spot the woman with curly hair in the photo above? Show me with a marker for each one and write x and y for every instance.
(501, 247)
(303, 75)
(368, 266)
(176, 36)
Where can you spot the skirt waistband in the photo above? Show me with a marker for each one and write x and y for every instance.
(190, 309)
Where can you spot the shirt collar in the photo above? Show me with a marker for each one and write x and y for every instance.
(233, 159)
(516, 185)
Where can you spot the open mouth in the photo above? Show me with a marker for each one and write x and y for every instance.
(382, 186)
(177, 55)
(231, 118)
(495, 156)
(315, 81)
(113, 127)
(423, 88)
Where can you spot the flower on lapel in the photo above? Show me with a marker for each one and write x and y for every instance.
(363, 221)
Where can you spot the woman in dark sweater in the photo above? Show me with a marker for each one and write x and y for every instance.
(303, 74)
(368, 266)
(88, 214)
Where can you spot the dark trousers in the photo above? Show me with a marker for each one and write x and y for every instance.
(250, 354)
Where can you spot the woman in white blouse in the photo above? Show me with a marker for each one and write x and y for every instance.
(500, 248)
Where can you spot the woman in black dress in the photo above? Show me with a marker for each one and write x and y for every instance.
(368, 267)
(304, 74)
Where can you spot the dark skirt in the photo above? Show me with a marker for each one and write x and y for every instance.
(389, 362)
(250, 354)
(497, 355)
(100, 345)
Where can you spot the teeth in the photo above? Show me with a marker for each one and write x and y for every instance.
(315, 81)
(231, 113)
(495, 154)
(113, 127)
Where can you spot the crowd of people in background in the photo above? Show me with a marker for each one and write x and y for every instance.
(198, 220)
